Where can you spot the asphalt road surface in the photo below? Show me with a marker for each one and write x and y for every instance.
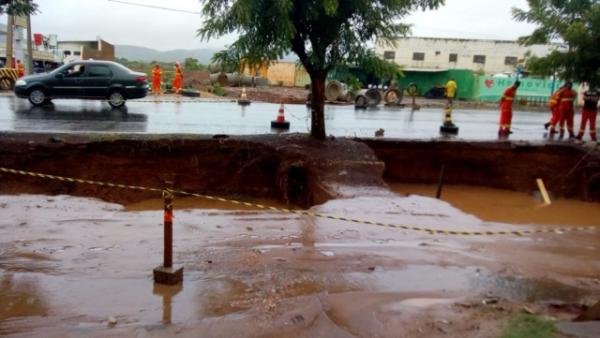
(204, 117)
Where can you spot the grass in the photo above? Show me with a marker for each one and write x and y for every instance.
(529, 326)
(218, 90)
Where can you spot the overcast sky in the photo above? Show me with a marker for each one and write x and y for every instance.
(120, 23)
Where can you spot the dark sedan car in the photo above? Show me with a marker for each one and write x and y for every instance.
(94, 80)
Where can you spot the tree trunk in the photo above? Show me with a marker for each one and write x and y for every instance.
(317, 126)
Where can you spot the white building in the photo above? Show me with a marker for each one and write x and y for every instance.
(488, 56)
(83, 50)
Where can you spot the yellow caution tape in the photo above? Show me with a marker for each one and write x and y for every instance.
(77, 180)
(431, 231)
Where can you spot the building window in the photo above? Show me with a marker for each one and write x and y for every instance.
(389, 55)
(437, 52)
(479, 59)
(77, 53)
(66, 52)
(418, 56)
(510, 60)
(453, 57)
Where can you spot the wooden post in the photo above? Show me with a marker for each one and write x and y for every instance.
(168, 225)
(543, 191)
(440, 182)
(167, 274)
(9, 41)
(29, 47)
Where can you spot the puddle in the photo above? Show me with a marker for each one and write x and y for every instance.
(496, 205)
(21, 296)
(87, 272)
(222, 297)
(469, 281)
(417, 278)
(531, 290)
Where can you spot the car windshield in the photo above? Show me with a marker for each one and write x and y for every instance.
(60, 69)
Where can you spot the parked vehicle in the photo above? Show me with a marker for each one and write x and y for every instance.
(95, 80)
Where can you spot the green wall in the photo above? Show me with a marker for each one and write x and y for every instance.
(466, 81)
(531, 89)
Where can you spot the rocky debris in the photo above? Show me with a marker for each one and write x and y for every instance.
(112, 321)
(285, 95)
(490, 300)
(579, 329)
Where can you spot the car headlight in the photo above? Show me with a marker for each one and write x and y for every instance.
(20, 83)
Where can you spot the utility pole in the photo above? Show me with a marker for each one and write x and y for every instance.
(9, 41)
(29, 47)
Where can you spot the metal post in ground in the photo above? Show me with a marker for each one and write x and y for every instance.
(167, 274)
(440, 182)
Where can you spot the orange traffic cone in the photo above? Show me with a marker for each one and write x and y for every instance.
(243, 101)
(280, 122)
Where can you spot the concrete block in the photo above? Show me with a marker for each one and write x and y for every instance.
(168, 276)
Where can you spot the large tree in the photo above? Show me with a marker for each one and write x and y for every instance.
(574, 24)
(323, 34)
(17, 7)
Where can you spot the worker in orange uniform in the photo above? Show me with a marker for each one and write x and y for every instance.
(178, 79)
(156, 80)
(555, 118)
(20, 69)
(566, 98)
(506, 113)
(589, 112)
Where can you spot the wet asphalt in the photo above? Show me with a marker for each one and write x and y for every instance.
(209, 117)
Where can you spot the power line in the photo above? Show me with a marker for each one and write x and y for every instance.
(155, 7)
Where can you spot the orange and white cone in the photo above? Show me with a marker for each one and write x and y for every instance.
(280, 122)
(243, 101)
(281, 114)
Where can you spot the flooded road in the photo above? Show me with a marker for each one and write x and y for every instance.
(69, 264)
(202, 117)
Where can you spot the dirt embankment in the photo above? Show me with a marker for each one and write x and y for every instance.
(285, 95)
(568, 170)
(292, 168)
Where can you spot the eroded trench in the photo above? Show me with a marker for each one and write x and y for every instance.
(292, 169)
(270, 269)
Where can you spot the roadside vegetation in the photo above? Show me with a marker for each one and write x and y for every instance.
(575, 26)
(529, 326)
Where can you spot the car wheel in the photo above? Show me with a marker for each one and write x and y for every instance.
(116, 99)
(37, 97)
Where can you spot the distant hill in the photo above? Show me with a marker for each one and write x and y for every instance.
(136, 53)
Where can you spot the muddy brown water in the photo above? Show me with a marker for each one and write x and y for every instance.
(67, 264)
(507, 206)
